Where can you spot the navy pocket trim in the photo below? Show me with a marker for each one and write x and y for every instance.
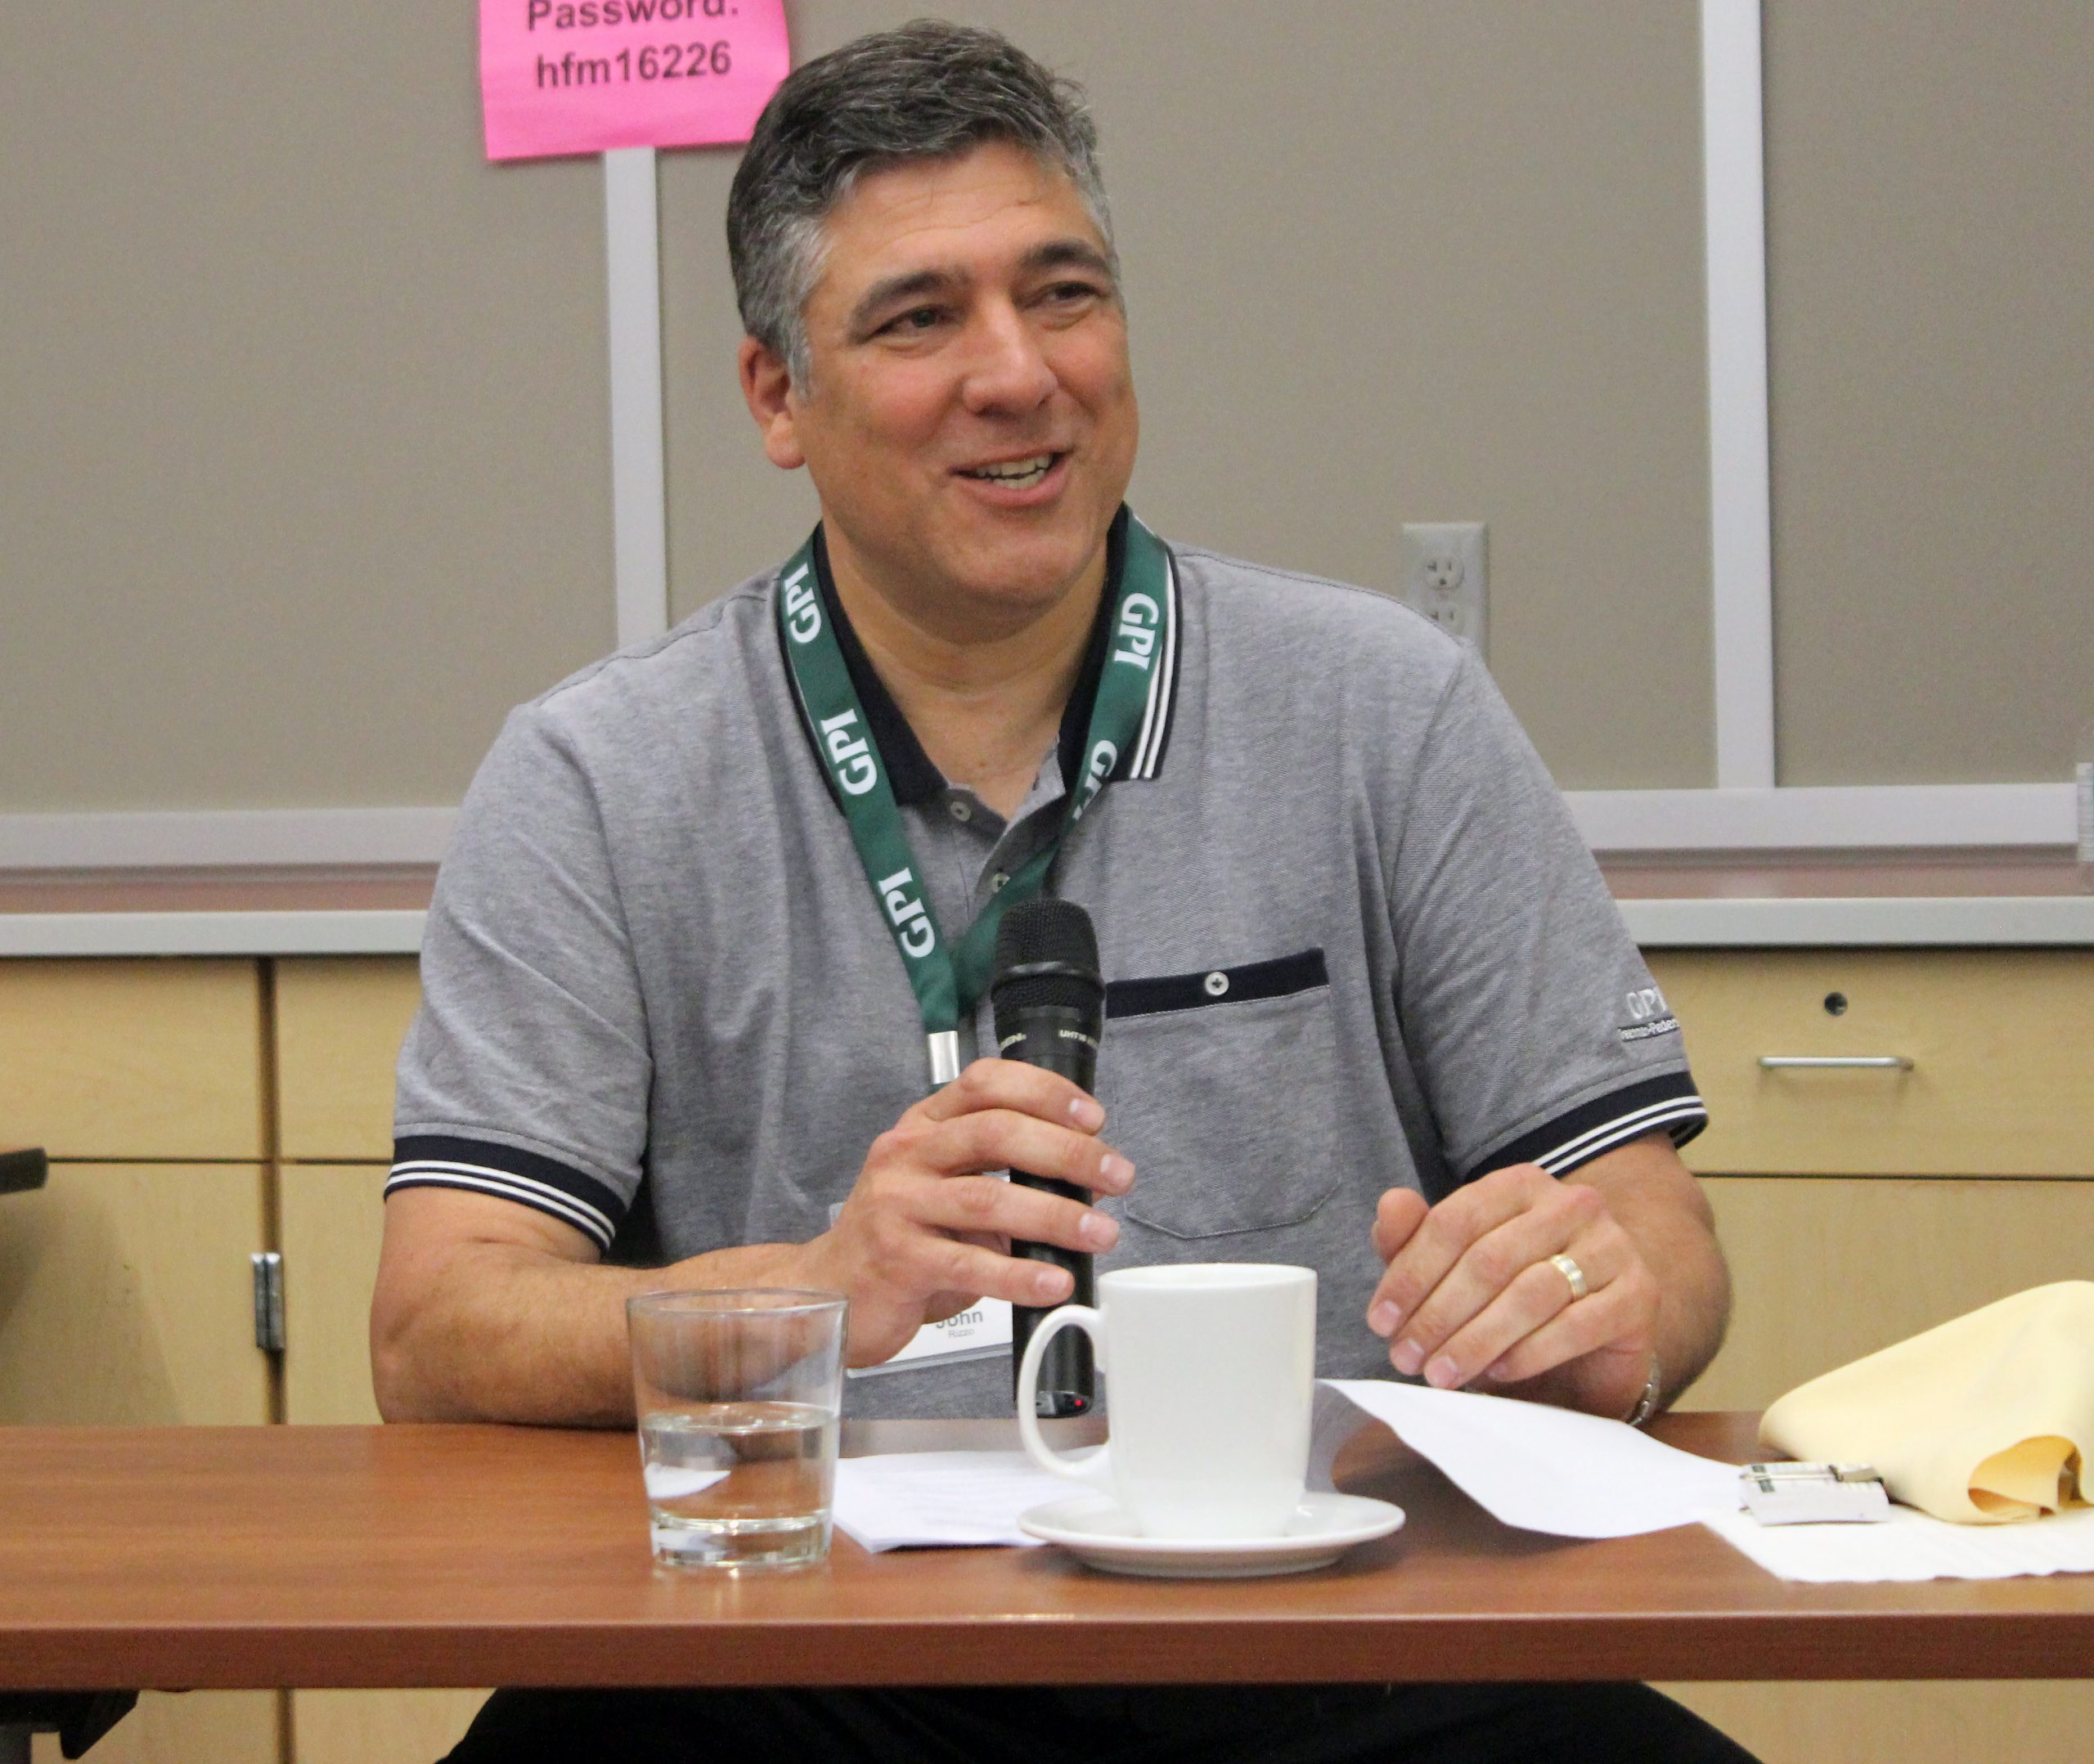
(1276, 979)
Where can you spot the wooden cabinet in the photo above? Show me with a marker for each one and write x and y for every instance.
(1858, 1206)
(1927, 1723)
(186, 1727)
(340, 1021)
(339, 1024)
(2000, 1043)
(151, 1059)
(126, 1296)
(332, 1218)
(379, 1726)
(1826, 1269)
(198, 1111)
(126, 1286)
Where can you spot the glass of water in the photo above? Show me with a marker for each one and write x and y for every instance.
(738, 1393)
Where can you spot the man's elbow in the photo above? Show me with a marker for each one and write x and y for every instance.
(395, 1379)
(413, 1349)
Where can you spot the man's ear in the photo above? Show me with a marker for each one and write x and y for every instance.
(768, 386)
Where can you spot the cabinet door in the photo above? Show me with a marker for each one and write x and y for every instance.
(379, 1726)
(185, 1727)
(1925, 1723)
(127, 1297)
(339, 1022)
(331, 1219)
(147, 1060)
(1825, 1269)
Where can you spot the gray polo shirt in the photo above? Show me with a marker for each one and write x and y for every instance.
(1352, 938)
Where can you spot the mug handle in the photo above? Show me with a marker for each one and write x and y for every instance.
(1091, 1468)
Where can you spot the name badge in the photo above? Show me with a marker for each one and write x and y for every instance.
(980, 1332)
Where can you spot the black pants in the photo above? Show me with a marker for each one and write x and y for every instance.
(1221, 1724)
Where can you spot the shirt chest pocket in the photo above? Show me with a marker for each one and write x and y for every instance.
(1218, 1085)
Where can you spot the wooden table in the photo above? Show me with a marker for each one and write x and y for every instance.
(316, 1556)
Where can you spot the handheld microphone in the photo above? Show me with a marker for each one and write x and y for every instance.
(1049, 1006)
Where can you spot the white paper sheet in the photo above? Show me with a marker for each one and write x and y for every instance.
(902, 1498)
(1548, 1470)
(1911, 1545)
(1541, 1469)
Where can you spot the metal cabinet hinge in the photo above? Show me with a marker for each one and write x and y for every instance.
(268, 1301)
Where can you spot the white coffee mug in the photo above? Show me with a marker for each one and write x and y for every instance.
(1210, 1374)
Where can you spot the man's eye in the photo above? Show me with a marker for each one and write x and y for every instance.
(916, 319)
(1069, 293)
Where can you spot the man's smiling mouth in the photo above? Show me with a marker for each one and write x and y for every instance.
(1015, 472)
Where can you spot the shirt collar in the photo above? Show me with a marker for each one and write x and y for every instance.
(909, 771)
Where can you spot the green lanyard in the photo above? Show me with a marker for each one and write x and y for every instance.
(1124, 740)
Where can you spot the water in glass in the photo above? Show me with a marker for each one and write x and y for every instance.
(739, 1485)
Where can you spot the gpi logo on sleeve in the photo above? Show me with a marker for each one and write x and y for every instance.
(1648, 1015)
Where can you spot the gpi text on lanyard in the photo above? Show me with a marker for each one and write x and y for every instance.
(1124, 740)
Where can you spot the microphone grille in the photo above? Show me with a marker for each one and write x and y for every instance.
(1044, 931)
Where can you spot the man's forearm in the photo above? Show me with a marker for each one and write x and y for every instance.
(511, 1334)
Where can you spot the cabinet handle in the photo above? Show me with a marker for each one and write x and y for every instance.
(1846, 1062)
(268, 1301)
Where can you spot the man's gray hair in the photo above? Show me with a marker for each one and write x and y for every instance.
(928, 91)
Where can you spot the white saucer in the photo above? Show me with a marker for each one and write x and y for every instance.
(1098, 1531)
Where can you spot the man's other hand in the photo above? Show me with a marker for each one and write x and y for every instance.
(926, 1232)
(1470, 1295)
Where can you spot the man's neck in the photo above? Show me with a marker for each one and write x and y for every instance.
(986, 708)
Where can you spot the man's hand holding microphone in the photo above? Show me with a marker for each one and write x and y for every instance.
(926, 1230)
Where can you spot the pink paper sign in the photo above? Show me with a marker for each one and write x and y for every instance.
(578, 76)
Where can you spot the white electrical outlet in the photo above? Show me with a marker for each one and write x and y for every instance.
(1446, 576)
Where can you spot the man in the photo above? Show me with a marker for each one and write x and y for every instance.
(700, 984)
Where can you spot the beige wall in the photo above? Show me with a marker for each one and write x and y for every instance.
(1385, 262)
(1930, 252)
(306, 473)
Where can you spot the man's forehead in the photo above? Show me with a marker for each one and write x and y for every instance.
(946, 216)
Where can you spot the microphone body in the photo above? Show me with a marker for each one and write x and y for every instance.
(1049, 1005)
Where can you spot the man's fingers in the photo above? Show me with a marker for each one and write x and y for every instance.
(979, 1205)
(1537, 1299)
(1617, 1315)
(1515, 1252)
(1014, 1086)
(1000, 1139)
(1397, 1215)
(1423, 1262)
(946, 1264)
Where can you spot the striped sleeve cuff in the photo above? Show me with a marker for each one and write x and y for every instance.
(568, 1195)
(1561, 1145)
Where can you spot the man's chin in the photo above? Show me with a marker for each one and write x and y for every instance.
(1019, 564)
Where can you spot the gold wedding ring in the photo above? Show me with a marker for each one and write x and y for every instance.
(1572, 1272)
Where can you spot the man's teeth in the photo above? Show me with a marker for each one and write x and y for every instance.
(1015, 471)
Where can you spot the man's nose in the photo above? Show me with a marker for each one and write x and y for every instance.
(1008, 371)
